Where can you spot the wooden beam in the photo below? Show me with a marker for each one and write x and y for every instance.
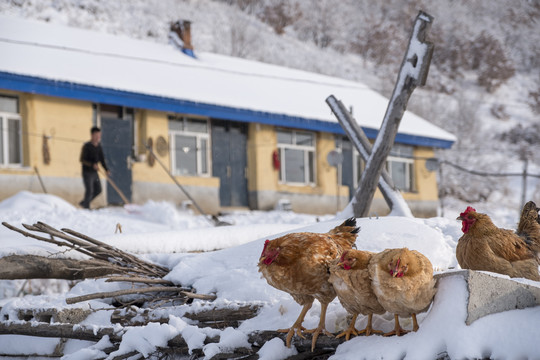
(391, 195)
(413, 73)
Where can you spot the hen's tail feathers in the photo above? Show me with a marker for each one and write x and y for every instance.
(529, 226)
(348, 226)
(347, 231)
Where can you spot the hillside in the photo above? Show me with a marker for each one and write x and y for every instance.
(483, 84)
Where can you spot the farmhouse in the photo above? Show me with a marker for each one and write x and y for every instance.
(234, 133)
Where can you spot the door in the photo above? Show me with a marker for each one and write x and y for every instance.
(116, 143)
(229, 161)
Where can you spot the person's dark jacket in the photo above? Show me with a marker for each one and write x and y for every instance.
(91, 155)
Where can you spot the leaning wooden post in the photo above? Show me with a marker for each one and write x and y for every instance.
(391, 195)
(413, 72)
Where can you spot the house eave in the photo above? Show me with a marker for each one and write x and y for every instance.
(71, 90)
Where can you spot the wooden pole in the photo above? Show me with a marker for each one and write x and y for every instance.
(40, 181)
(214, 222)
(115, 187)
(391, 195)
(413, 72)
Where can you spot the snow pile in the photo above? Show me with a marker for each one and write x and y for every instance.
(231, 274)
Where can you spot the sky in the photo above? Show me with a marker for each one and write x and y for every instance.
(161, 233)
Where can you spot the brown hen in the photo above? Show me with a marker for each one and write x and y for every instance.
(350, 277)
(486, 247)
(298, 264)
(402, 280)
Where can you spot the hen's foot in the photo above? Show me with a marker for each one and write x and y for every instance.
(397, 328)
(316, 332)
(290, 333)
(369, 330)
(347, 333)
(398, 332)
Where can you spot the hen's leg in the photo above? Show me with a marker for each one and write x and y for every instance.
(397, 329)
(321, 328)
(369, 330)
(415, 322)
(297, 326)
(351, 330)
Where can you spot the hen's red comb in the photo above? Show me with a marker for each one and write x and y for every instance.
(343, 256)
(468, 210)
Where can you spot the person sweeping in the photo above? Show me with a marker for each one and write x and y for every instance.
(91, 157)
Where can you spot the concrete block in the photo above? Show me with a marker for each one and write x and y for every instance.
(490, 294)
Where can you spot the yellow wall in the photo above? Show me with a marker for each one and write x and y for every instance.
(262, 142)
(67, 123)
(263, 177)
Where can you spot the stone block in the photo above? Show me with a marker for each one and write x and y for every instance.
(491, 293)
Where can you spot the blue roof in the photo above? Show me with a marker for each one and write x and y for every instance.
(71, 90)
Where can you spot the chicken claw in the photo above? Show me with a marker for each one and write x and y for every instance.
(351, 330)
(397, 328)
(321, 328)
(297, 326)
(290, 333)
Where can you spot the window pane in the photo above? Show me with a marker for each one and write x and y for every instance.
(176, 124)
(185, 154)
(8, 104)
(204, 165)
(110, 111)
(402, 150)
(304, 139)
(311, 167)
(196, 125)
(398, 174)
(14, 142)
(412, 186)
(294, 166)
(284, 137)
(2, 140)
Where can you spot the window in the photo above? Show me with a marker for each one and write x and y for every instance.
(189, 145)
(10, 132)
(296, 151)
(400, 166)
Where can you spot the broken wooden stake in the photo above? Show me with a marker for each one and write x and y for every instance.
(391, 195)
(413, 73)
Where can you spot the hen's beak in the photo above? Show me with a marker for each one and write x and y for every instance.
(396, 269)
(460, 218)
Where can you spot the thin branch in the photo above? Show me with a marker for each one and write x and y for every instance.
(139, 280)
(104, 295)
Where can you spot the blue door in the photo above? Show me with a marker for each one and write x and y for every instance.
(116, 142)
(229, 161)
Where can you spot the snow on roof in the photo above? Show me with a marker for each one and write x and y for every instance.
(162, 74)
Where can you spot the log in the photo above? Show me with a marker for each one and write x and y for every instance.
(38, 267)
(325, 345)
(104, 295)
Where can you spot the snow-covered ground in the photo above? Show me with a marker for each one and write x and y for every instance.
(158, 231)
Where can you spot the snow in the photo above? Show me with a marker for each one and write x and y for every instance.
(107, 61)
(162, 233)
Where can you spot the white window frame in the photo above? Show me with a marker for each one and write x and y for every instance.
(307, 149)
(409, 172)
(199, 137)
(4, 122)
